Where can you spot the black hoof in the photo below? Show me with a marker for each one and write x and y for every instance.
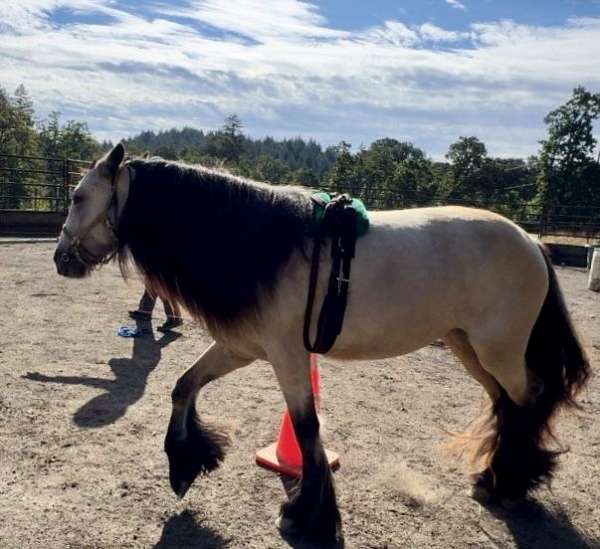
(498, 491)
(313, 523)
(482, 489)
(199, 453)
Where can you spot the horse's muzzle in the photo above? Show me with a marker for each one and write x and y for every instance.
(68, 265)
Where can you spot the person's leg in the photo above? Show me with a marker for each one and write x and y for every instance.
(173, 317)
(145, 307)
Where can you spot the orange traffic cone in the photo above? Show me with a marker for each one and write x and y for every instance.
(284, 456)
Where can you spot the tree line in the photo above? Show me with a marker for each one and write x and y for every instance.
(562, 181)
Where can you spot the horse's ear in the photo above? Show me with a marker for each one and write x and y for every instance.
(146, 155)
(115, 157)
(110, 163)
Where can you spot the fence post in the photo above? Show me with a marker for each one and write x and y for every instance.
(542, 223)
(66, 185)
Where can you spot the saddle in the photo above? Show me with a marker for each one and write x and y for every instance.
(338, 220)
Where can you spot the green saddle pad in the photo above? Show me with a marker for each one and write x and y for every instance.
(362, 215)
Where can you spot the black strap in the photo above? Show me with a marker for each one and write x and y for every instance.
(339, 223)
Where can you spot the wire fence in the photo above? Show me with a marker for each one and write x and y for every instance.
(42, 184)
(37, 183)
(572, 220)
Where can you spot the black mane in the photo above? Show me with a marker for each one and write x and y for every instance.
(208, 240)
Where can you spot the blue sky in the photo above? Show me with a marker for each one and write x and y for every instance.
(426, 71)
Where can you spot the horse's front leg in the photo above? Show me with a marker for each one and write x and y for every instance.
(192, 446)
(311, 512)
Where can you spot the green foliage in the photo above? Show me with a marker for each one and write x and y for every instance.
(70, 140)
(388, 174)
(472, 174)
(36, 150)
(17, 133)
(287, 161)
(568, 169)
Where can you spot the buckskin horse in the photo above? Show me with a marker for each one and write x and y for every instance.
(234, 253)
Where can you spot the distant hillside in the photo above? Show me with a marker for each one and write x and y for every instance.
(307, 158)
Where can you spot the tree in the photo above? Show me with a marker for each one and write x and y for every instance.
(390, 173)
(24, 129)
(468, 157)
(17, 137)
(166, 152)
(271, 170)
(343, 175)
(17, 132)
(568, 169)
(231, 138)
(77, 142)
(70, 140)
(49, 136)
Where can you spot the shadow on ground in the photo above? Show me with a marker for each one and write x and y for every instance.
(128, 385)
(534, 527)
(182, 531)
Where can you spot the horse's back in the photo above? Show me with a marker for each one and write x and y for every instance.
(422, 272)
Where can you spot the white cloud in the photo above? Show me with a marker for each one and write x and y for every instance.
(431, 32)
(284, 70)
(25, 15)
(456, 5)
(258, 19)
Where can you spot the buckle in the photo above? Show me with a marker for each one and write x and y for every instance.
(340, 281)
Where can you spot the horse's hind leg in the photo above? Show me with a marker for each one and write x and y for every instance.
(311, 512)
(193, 447)
(513, 446)
(458, 342)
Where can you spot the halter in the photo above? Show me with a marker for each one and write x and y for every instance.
(83, 254)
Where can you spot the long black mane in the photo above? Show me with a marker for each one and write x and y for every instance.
(208, 240)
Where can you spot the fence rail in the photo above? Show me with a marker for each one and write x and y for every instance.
(41, 184)
(37, 183)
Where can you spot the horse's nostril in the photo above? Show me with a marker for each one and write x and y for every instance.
(65, 258)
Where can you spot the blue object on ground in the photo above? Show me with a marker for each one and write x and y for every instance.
(129, 331)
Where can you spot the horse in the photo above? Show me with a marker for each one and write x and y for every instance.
(235, 254)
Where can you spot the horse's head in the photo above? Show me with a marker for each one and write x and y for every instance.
(89, 235)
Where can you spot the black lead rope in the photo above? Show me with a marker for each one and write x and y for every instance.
(338, 223)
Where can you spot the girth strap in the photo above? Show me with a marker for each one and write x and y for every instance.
(339, 223)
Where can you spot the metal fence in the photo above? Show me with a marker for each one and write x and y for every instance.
(41, 184)
(35, 183)
(573, 220)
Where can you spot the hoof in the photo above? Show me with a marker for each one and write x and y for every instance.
(310, 525)
(182, 472)
(284, 525)
(180, 487)
(482, 489)
(486, 491)
(199, 453)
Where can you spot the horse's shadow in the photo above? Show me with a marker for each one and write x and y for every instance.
(533, 526)
(182, 531)
(128, 385)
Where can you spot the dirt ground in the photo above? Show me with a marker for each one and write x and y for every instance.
(83, 413)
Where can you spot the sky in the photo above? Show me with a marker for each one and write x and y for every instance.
(425, 71)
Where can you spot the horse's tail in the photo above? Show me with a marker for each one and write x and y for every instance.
(515, 445)
(555, 353)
